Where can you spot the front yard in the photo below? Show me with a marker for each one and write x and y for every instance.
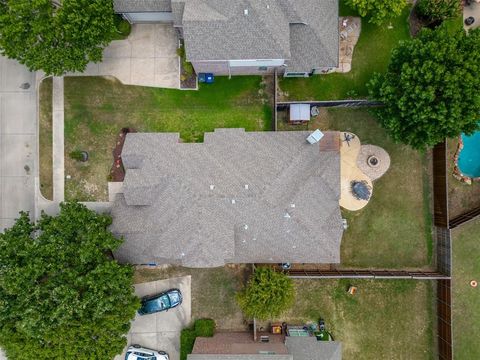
(395, 229)
(371, 54)
(466, 299)
(97, 108)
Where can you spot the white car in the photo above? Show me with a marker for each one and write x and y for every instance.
(136, 352)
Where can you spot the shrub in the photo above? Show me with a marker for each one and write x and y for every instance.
(205, 327)
(267, 295)
(186, 65)
(202, 328)
(76, 155)
(123, 27)
(438, 10)
(377, 10)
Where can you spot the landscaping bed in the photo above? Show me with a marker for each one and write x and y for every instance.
(371, 54)
(46, 138)
(461, 196)
(466, 299)
(97, 108)
(395, 229)
(385, 319)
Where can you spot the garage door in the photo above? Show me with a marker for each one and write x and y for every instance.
(149, 17)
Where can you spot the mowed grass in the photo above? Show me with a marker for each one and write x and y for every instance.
(371, 54)
(385, 319)
(97, 108)
(46, 138)
(466, 300)
(461, 196)
(394, 230)
(213, 291)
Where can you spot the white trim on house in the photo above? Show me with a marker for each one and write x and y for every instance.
(256, 63)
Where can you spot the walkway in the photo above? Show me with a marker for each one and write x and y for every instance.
(148, 57)
(18, 141)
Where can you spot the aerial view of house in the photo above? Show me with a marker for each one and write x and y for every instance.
(239, 179)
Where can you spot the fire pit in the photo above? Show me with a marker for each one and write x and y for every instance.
(372, 161)
(469, 21)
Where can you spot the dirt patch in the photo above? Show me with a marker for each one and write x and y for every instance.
(462, 197)
(46, 138)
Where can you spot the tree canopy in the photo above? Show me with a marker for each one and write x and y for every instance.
(44, 35)
(267, 295)
(62, 297)
(431, 89)
(378, 11)
(438, 10)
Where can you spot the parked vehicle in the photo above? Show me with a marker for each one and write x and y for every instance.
(136, 352)
(160, 302)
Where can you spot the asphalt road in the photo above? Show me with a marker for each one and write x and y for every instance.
(17, 141)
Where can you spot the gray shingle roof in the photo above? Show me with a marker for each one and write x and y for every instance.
(239, 357)
(308, 348)
(303, 31)
(169, 212)
(124, 6)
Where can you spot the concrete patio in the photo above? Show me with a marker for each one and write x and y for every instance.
(147, 58)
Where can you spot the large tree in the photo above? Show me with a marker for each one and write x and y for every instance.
(435, 11)
(432, 87)
(267, 295)
(378, 11)
(62, 296)
(55, 36)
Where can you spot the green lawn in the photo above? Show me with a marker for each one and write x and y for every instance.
(97, 108)
(371, 54)
(385, 319)
(395, 229)
(466, 300)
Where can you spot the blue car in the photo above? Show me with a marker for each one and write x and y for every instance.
(160, 302)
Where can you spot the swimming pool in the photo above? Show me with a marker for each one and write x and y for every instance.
(469, 157)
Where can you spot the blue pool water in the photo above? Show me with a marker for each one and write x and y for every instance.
(469, 157)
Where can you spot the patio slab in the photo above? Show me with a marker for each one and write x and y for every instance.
(146, 58)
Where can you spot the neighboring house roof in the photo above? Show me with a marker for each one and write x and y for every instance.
(303, 31)
(308, 348)
(189, 204)
(239, 357)
(125, 6)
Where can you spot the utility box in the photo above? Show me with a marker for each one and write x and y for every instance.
(206, 78)
(315, 137)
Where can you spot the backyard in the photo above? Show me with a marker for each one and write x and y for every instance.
(466, 300)
(461, 196)
(395, 229)
(386, 319)
(97, 108)
(371, 54)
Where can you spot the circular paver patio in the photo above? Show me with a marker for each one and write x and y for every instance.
(380, 164)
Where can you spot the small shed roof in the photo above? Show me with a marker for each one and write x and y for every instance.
(300, 112)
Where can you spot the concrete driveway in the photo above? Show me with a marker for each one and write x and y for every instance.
(161, 331)
(17, 141)
(147, 57)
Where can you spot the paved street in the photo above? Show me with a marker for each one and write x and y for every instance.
(17, 141)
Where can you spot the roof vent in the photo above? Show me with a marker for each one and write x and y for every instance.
(233, 201)
(245, 12)
(246, 186)
(292, 205)
(245, 226)
(287, 215)
(212, 187)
